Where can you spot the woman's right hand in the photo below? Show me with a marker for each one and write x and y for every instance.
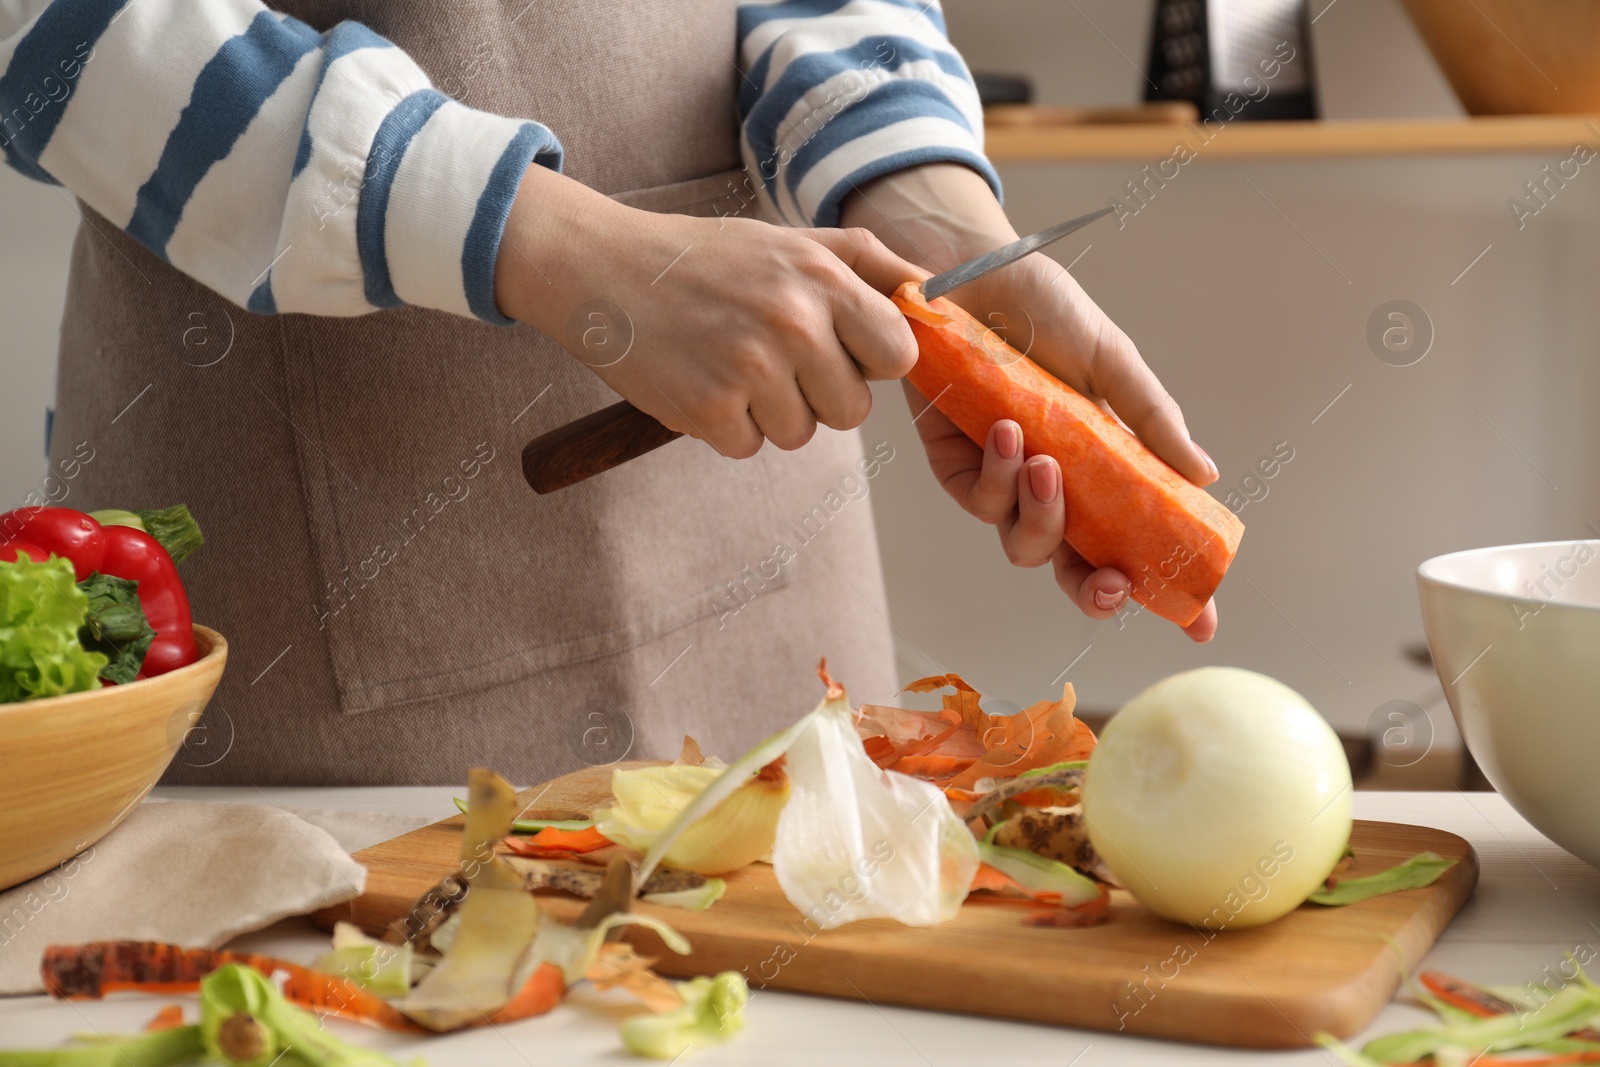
(727, 329)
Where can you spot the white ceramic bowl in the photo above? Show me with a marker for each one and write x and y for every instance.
(1515, 634)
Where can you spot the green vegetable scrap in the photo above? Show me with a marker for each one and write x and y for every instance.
(1344, 1053)
(41, 609)
(697, 899)
(1056, 768)
(116, 626)
(384, 969)
(1420, 870)
(712, 1012)
(245, 1021)
(1039, 874)
(178, 1045)
(1555, 1029)
(1572, 1008)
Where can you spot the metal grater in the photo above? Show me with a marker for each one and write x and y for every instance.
(1233, 59)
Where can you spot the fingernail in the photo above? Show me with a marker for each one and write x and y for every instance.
(1007, 439)
(1210, 463)
(1106, 601)
(1044, 481)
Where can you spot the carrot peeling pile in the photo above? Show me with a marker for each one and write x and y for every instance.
(91, 971)
(1126, 508)
(960, 745)
(1014, 780)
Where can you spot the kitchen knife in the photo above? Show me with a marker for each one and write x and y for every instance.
(612, 436)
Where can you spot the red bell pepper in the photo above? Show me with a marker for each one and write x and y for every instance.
(120, 551)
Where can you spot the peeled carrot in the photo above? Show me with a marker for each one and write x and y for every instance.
(1126, 508)
(90, 971)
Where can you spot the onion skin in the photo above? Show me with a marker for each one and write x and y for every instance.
(1219, 798)
(735, 833)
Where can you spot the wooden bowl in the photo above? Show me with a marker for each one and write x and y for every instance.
(76, 765)
(1515, 57)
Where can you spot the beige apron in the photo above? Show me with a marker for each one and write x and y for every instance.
(400, 605)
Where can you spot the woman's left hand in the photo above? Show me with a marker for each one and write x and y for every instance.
(1039, 308)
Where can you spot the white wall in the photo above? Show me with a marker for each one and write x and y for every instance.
(36, 227)
(1250, 328)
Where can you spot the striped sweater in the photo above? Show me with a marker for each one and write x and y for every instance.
(212, 131)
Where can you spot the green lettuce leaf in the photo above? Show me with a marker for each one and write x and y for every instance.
(41, 609)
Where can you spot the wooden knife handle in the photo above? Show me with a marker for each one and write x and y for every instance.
(591, 445)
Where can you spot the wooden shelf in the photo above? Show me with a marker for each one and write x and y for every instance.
(1291, 140)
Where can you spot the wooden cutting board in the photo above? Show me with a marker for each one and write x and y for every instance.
(1316, 969)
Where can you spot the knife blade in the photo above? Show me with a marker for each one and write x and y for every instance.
(975, 268)
(612, 436)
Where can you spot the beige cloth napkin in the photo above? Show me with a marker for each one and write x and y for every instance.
(188, 872)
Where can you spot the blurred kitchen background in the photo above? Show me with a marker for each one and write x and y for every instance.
(1248, 285)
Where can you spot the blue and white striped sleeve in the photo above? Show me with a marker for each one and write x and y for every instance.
(838, 92)
(289, 170)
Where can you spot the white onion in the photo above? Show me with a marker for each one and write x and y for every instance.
(1219, 797)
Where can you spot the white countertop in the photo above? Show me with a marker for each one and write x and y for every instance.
(1534, 904)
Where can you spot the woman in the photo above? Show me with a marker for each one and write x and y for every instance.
(389, 188)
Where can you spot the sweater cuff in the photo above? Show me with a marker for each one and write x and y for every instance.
(826, 210)
(901, 122)
(439, 185)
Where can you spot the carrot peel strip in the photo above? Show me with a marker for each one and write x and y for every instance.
(880, 750)
(994, 880)
(553, 840)
(1538, 1061)
(92, 970)
(543, 991)
(168, 1018)
(1480, 1002)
